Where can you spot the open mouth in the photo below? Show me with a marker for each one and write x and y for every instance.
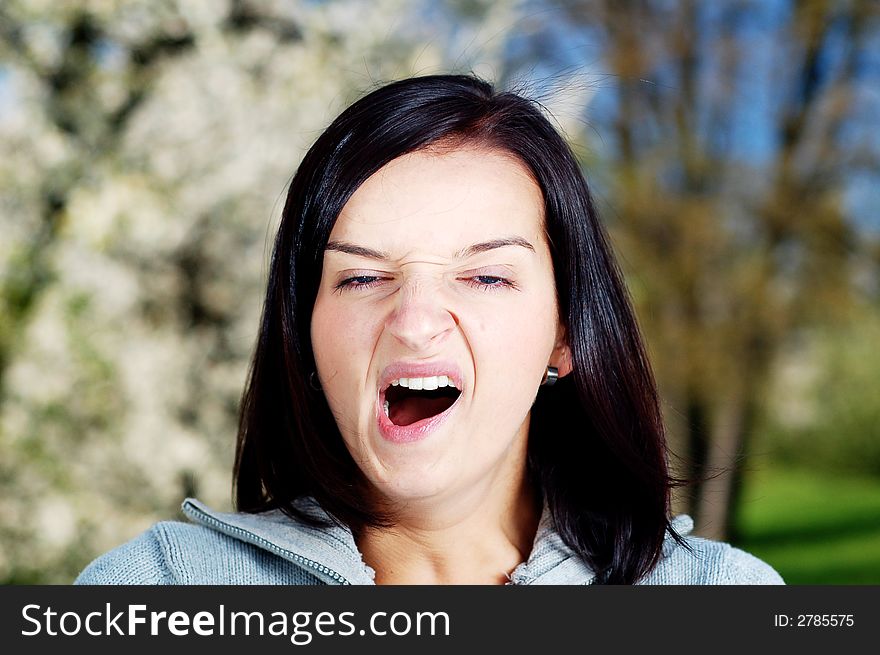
(405, 405)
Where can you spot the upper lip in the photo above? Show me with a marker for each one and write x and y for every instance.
(398, 370)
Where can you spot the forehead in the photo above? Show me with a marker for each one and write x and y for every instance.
(437, 201)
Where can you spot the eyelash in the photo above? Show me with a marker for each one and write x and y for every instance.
(348, 283)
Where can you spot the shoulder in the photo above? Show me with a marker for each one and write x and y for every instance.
(172, 552)
(708, 562)
(143, 560)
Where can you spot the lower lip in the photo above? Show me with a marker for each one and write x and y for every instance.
(414, 431)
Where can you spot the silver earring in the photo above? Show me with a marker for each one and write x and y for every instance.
(550, 376)
(313, 381)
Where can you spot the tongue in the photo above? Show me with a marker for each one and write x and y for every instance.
(414, 408)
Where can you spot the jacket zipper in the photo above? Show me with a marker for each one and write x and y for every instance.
(264, 543)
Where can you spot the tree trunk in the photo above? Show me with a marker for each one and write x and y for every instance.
(726, 454)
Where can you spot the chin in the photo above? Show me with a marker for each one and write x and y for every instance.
(408, 482)
(412, 493)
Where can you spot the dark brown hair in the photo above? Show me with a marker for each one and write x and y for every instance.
(597, 447)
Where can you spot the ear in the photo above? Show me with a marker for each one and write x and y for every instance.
(561, 355)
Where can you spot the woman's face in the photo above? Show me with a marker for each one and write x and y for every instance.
(438, 266)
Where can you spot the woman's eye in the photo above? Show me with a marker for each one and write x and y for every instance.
(490, 282)
(357, 282)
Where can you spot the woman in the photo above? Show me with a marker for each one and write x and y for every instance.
(449, 384)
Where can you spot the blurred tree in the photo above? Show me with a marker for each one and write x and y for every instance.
(735, 130)
(90, 121)
(822, 410)
(143, 149)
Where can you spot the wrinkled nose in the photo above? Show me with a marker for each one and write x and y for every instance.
(419, 320)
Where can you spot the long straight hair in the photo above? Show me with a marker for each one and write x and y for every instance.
(597, 446)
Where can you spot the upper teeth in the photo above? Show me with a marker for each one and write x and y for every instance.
(424, 383)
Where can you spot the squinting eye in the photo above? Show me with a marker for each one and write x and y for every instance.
(490, 282)
(357, 282)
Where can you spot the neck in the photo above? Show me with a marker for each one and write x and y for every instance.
(478, 539)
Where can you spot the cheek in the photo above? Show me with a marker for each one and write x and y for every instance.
(324, 336)
(512, 345)
(343, 339)
(522, 328)
(341, 350)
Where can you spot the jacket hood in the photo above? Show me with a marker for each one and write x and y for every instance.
(332, 555)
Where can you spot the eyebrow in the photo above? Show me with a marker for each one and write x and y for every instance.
(369, 253)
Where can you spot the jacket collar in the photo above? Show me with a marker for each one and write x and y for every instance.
(332, 555)
(329, 553)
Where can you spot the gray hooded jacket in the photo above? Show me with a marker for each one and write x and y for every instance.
(271, 548)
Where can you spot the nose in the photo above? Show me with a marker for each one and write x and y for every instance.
(419, 319)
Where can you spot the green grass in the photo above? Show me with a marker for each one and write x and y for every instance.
(814, 528)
